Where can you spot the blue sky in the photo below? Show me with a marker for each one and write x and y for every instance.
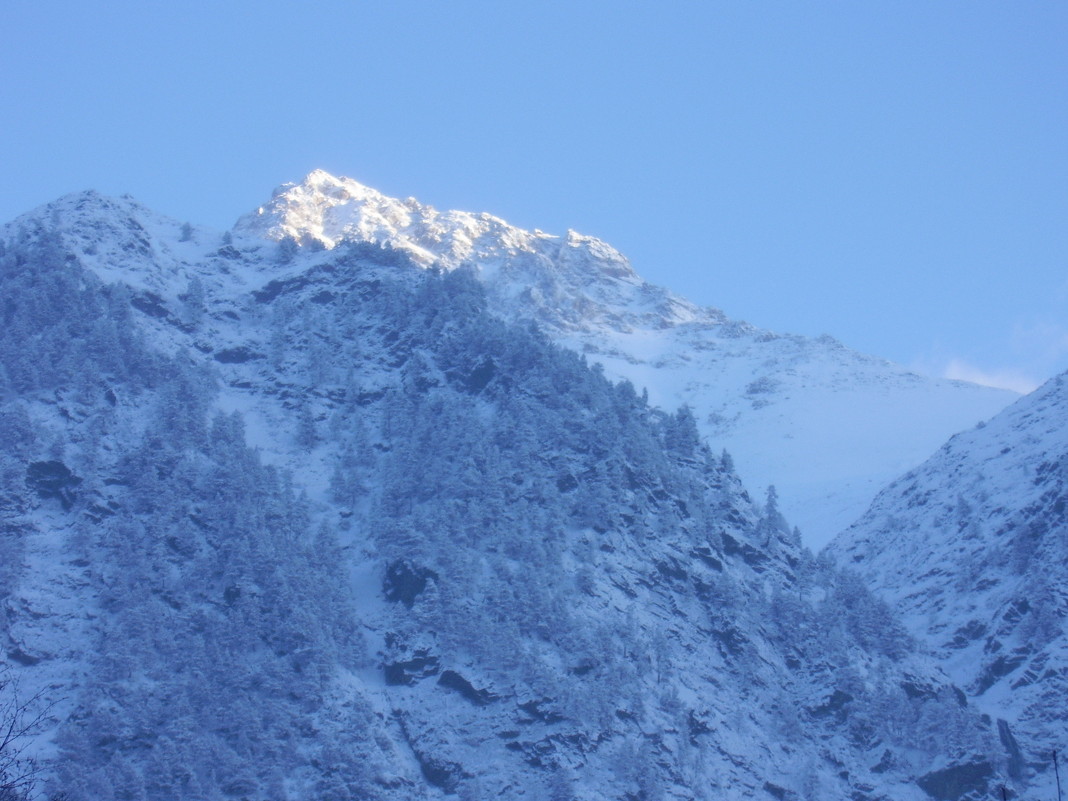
(894, 174)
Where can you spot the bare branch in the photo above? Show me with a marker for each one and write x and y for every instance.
(21, 718)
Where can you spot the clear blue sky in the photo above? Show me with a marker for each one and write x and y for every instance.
(894, 174)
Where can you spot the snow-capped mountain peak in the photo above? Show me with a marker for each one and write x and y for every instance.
(566, 283)
(808, 416)
(328, 210)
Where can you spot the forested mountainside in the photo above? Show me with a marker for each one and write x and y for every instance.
(827, 426)
(973, 547)
(281, 522)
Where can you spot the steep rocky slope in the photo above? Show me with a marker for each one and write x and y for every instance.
(972, 547)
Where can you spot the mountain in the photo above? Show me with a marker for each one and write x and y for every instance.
(283, 521)
(972, 547)
(826, 425)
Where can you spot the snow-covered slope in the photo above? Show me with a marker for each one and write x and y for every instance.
(972, 547)
(291, 523)
(826, 425)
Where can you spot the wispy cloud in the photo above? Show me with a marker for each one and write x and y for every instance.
(1032, 352)
(1016, 380)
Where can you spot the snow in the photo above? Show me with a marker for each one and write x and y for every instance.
(832, 428)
